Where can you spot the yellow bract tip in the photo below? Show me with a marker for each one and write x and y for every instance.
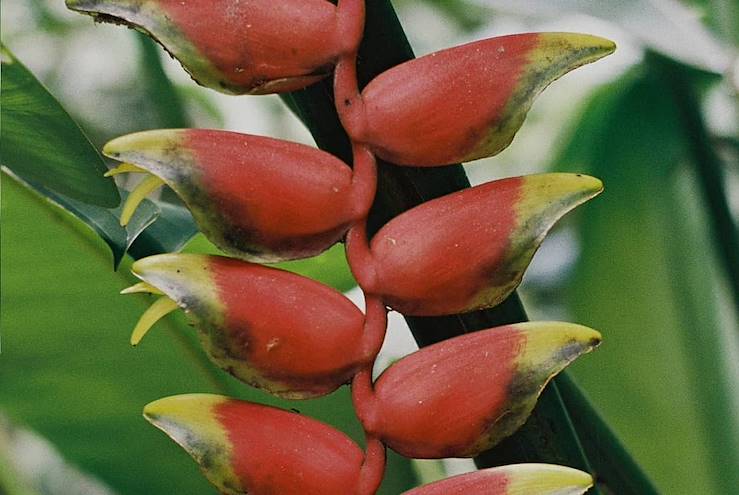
(546, 479)
(156, 312)
(146, 187)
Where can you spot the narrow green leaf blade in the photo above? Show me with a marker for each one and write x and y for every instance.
(41, 143)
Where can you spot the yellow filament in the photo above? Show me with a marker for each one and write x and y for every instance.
(146, 187)
(124, 168)
(142, 287)
(156, 312)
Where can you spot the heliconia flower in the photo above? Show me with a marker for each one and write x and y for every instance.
(462, 396)
(255, 46)
(273, 329)
(257, 198)
(243, 447)
(515, 479)
(467, 250)
(466, 102)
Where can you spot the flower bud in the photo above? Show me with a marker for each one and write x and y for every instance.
(272, 329)
(232, 46)
(460, 397)
(468, 250)
(467, 102)
(243, 447)
(516, 479)
(257, 198)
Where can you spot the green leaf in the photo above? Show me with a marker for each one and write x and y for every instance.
(644, 278)
(68, 372)
(41, 143)
(158, 226)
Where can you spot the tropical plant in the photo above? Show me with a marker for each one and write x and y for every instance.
(266, 200)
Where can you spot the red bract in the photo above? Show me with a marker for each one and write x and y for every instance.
(270, 328)
(235, 46)
(465, 102)
(461, 396)
(467, 250)
(258, 198)
(516, 479)
(250, 448)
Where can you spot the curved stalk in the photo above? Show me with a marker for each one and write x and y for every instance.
(549, 436)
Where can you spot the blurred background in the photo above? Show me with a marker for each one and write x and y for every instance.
(647, 263)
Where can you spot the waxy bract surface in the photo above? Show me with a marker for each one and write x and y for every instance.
(273, 329)
(461, 396)
(468, 250)
(244, 447)
(257, 198)
(467, 102)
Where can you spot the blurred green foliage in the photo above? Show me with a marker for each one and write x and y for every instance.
(647, 279)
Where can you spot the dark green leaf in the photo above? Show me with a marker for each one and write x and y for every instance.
(41, 143)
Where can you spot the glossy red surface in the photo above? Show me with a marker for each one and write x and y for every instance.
(255, 41)
(434, 110)
(289, 327)
(437, 257)
(277, 196)
(281, 452)
(437, 402)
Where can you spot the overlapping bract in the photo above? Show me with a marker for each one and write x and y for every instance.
(267, 200)
(272, 329)
(467, 102)
(468, 250)
(462, 396)
(249, 46)
(257, 198)
(244, 447)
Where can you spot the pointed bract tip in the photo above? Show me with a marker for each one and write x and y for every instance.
(589, 47)
(154, 140)
(551, 196)
(546, 479)
(552, 345)
(184, 409)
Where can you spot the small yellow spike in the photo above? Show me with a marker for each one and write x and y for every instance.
(125, 168)
(142, 287)
(146, 187)
(162, 307)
